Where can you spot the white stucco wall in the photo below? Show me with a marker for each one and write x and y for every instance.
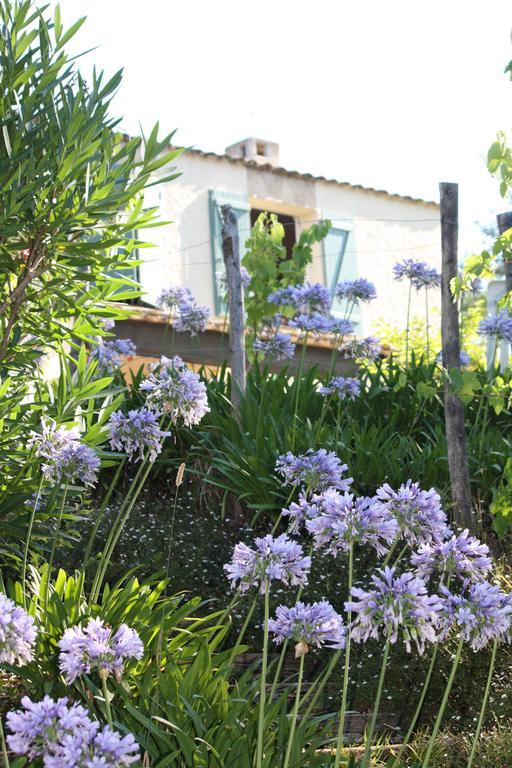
(387, 229)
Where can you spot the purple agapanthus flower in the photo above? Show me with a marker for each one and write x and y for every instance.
(343, 521)
(419, 513)
(279, 346)
(312, 298)
(306, 508)
(191, 318)
(344, 387)
(499, 326)
(464, 358)
(340, 327)
(107, 323)
(111, 354)
(369, 348)
(171, 298)
(63, 735)
(66, 458)
(222, 279)
(285, 297)
(172, 388)
(482, 613)
(273, 559)
(313, 470)
(308, 624)
(418, 272)
(136, 432)
(356, 290)
(314, 323)
(398, 607)
(462, 555)
(17, 633)
(96, 647)
(471, 285)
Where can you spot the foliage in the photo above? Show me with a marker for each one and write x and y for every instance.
(270, 267)
(393, 430)
(70, 189)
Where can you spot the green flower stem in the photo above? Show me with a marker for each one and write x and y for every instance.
(484, 706)
(318, 685)
(53, 550)
(298, 378)
(338, 420)
(101, 511)
(419, 707)
(426, 324)
(242, 632)
(442, 708)
(346, 668)
(117, 528)
(106, 696)
(5, 756)
(294, 713)
(261, 716)
(407, 330)
(27, 543)
(373, 722)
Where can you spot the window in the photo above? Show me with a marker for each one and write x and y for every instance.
(288, 223)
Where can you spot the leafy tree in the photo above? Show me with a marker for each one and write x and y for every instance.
(70, 188)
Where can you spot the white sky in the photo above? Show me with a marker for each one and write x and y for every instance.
(397, 95)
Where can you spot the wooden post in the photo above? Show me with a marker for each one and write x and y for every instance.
(231, 253)
(504, 221)
(453, 406)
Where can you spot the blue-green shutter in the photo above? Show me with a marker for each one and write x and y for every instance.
(242, 209)
(340, 263)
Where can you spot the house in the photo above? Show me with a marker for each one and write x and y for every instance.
(371, 229)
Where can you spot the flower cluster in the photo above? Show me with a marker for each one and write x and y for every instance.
(308, 624)
(345, 388)
(170, 298)
(97, 648)
(304, 299)
(313, 470)
(499, 325)
(314, 323)
(356, 290)
(463, 556)
(342, 520)
(369, 348)
(272, 559)
(110, 354)
(278, 346)
(136, 432)
(397, 606)
(464, 358)
(341, 327)
(172, 388)
(481, 614)
(222, 279)
(66, 457)
(17, 633)
(419, 513)
(418, 272)
(64, 735)
(191, 318)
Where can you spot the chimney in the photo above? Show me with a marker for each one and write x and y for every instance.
(257, 150)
